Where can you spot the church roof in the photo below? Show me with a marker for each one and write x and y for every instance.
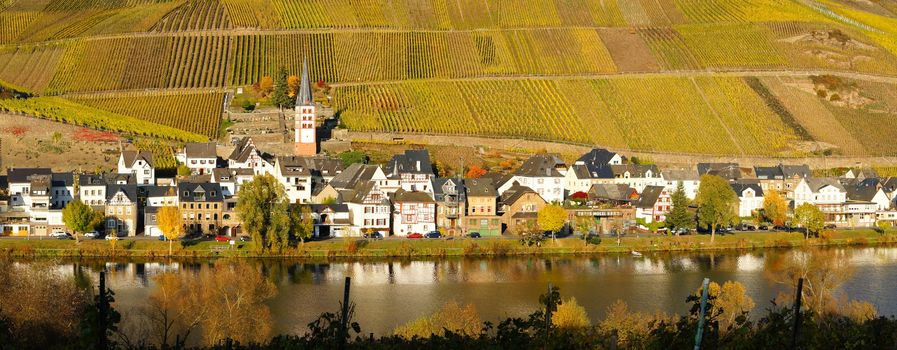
(304, 97)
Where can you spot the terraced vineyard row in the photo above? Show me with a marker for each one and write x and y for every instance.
(664, 114)
(195, 15)
(62, 110)
(196, 112)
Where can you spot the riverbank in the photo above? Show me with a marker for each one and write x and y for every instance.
(427, 248)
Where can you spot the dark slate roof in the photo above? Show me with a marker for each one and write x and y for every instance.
(635, 170)
(597, 157)
(439, 183)
(541, 165)
(229, 175)
(769, 172)
(614, 192)
(160, 191)
(304, 97)
(353, 175)
(211, 191)
(498, 179)
(21, 175)
(116, 178)
(864, 191)
(293, 166)
(790, 171)
(412, 196)
(649, 197)
(360, 192)
(243, 150)
(889, 184)
(729, 171)
(515, 193)
(480, 188)
(62, 179)
(200, 150)
(740, 186)
(129, 190)
(307, 166)
(338, 208)
(412, 161)
(818, 183)
(131, 157)
(91, 180)
(39, 182)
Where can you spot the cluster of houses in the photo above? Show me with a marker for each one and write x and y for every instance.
(405, 196)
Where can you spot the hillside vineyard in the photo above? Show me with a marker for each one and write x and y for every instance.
(656, 75)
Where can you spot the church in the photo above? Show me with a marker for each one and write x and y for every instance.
(306, 140)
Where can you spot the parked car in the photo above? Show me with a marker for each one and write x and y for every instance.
(111, 237)
(221, 238)
(57, 234)
(245, 238)
(830, 226)
(92, 235)
(764, 227)
(415, 235)
(433, 234)
(474, 235)
(373, 235)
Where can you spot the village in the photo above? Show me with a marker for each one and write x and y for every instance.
(602, 192)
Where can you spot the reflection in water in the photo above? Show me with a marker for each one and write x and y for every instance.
(390, 293)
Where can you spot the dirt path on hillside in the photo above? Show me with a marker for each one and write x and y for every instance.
(671, 159)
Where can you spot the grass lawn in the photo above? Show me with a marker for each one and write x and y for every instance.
(356, 248)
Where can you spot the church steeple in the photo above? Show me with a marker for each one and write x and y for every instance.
(304, 97)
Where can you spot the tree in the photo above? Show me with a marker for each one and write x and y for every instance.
(78, 217)
(302, 223)
(570, 315)
(730, 301)
(451, 317)
(679, 216)
(57, 136)
(281, 96)
(809, 217)
(475, 172)
(264, 86)
(293, 83)
(183, 170)
(716, 203)
(775, 208)
(263, 208)
(170, 223)
(353, 157)
(552, 218)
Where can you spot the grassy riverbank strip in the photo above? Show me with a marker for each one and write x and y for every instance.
(406, 248)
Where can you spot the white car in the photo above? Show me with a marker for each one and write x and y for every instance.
(92, 234)
(57, 234)
(111, 237)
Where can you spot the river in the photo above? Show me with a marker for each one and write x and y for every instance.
(389, 293)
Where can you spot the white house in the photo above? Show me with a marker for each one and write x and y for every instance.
(590, 169)
(413, 212)
(92, 190)
(750, 197)
(199, 157)
(161, 196)
(331, 220)
(819, 191)
(868, 191)
(295, 175)
(688, 178)
(653, 204)
(369, 208)
(543, 173)
(231, 179)
(246, 156)
(140, 164)
(62, 190)
(413, 170)
(637, 176)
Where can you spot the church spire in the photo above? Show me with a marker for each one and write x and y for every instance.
(304, 97)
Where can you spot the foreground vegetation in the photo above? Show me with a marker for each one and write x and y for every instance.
(224, 305)
(360, 248)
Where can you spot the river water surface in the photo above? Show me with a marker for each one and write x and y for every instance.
(390, 293)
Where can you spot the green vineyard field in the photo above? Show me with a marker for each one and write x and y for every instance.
(663, 114)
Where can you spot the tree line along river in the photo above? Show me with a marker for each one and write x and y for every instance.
(391, 293)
